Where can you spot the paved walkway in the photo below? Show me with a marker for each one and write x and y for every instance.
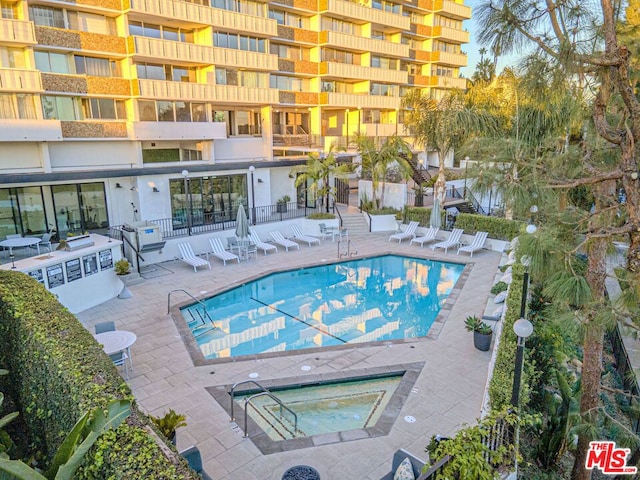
(448, 391)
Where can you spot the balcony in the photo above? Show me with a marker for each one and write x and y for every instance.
(446, 8)
(94, 129)
(450, 59)
(421, 30)
(165, 90)
(451, 34)
(363, 100)
(362, 14)
(302, 67)
(179, 130)
(17, 32)
(152, 48)
(448, 82)
(343, 70)
(362, 44)
(77, 40)
(297, 35)
(420, 55)
(20, 80)
(193, 15)
(30, 131)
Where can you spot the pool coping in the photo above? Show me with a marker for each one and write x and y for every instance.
(410, 373)
(199, 360)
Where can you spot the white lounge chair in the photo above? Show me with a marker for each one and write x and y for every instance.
(452, 241)
(189, 257)
(430, 236)
(478, 242)
(280, 240)
(265, 247)
(410, 232)
(298, 235)
(220, 252)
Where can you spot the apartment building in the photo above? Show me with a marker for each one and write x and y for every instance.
(113, 111)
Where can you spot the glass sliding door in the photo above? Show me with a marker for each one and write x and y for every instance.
(22, 211)
(80, 208)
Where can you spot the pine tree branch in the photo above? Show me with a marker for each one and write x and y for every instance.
(618, 391)
(602, 177)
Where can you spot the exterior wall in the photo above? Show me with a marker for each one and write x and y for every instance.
(242, 149)
(81, 155)
(16, 157)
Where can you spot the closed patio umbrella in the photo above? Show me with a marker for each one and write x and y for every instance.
(435, 220)
(242, 224)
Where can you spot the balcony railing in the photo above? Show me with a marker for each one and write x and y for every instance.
(17, 32)
(17, 79)
(363, 100)
(451, 34)
(363, 44)
(161, 89)
(364, 14)
(154, 48)
(344, 70)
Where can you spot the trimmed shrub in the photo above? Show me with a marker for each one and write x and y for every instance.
(497, 227)
(384, 211)
(421, 215)
(499, 287)
(321, 216)
(58, 371)
(502, 379)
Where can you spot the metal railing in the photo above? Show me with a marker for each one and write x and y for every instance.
(202, 304)
(436, 470)
(247, 402)
(347, 252)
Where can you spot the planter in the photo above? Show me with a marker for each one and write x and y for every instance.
(419, 201)
(312, 227)
(482, 341)
(281, 207)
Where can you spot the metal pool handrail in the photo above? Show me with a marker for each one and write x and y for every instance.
(204, 307)
(244, 382)
(247, 403)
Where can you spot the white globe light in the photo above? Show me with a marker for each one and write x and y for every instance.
(534, 209)
(523, 328)
(185, 173)
(252, 169)
(531, 228)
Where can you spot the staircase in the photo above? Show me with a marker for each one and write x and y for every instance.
(463, 206)
(419, 175)
(354, 223)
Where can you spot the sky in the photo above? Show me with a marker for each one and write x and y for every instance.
(473, 46)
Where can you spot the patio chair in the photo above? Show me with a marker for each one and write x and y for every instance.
(108, 326)
(283, 242)
(46, 241)
(477, 243)
(194, 459)
(190, 258)
(324, 231)
(452, 241)
(428, 237)
(398, 457)
(119, 359)
(265, 247)
(410, 232)
(298, 235)
(220, 252)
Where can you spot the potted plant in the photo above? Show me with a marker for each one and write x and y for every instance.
(482, 333)
(123, 267)
(281, 204)
(169, 423)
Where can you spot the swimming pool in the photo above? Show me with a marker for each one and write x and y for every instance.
(366, 300)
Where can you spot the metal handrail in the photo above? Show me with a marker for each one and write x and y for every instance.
(247, 403)
(348, 253)
(244, 382)
(204, 307)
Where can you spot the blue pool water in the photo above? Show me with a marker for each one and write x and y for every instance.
(374, 299)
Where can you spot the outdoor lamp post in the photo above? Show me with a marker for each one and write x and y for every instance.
(523, 329)
(187, 204)
(253, 196)
(531, 228)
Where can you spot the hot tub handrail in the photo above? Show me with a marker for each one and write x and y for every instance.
(243, 382)
(247, 403)
(204, 307)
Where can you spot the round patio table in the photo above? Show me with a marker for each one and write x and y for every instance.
(21, 242)
(301, 472)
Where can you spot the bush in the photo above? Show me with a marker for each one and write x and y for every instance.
(498, 228)
(384, 211)
(321, 216)
(57, 372)
(421, 215)
(499, 287)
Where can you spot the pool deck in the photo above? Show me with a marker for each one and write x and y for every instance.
(447, 394)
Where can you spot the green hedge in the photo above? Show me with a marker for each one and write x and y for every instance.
(497, 227)
(420, 214)
(57, 371)
(501, 384)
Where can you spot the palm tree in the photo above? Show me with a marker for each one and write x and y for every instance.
(317, 172)
(443, 125)
(376, 160)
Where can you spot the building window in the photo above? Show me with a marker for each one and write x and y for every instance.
(340, 56)
(47, 16)
(248, 7)
(247, 122)
(151, 30)
(60, 18)
(386, 6)
(241, 78)
(59, 108)
(17, 107)
(171, 73)
(441, 21)
(289, 53)
(8, 10)
(22, 211)
(207, 199)
(104, 109)
(80, 208)
(383, 89)
(340, 26)
(282, 82)
(96, 67)
(11, 57)
(333, 86)
(52, 62)
(383, 62)
(239, 42)
(289, 19)
(147, 111)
